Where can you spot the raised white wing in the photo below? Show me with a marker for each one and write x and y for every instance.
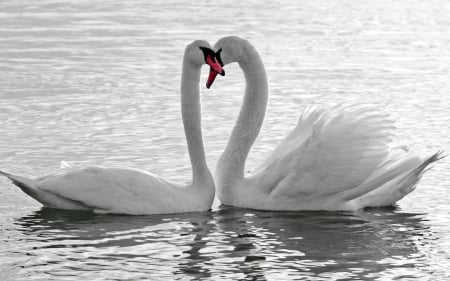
(330, 151)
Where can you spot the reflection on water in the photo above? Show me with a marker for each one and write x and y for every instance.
(116, 245)
(229, 243)
(97, 83)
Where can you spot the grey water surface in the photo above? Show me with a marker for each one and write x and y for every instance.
(97, 83)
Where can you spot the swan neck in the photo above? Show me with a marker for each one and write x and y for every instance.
(251, 115)
(191, 114)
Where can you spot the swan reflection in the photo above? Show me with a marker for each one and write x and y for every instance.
(229, 243)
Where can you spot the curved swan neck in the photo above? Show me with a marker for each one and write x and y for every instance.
(251, 115)
(191, 112)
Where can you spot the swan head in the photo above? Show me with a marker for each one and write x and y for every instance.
(231, 49)
(228, 49)
(200, 52)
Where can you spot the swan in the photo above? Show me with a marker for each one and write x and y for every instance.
(133, 191)
(335, 159)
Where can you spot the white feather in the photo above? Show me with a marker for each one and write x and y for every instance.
(336, 158)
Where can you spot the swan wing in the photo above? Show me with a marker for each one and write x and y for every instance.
(115, 190)
(329, 151)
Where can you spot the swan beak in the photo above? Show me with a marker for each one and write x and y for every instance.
(215, 65)
(215, 68)
(211, 77)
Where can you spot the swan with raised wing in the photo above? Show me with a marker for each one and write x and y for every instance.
(132, 191)
(337, 158)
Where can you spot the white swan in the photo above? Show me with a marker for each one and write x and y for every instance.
(334, 159)
(132, 191)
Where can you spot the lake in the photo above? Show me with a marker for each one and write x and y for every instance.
(97, 83)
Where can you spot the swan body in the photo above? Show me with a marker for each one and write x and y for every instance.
(113, 190)
(337, 158)
(132, 191)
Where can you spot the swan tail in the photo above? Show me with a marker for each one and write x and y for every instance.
(46, 198)
(415, 175)
(27, 185)
(397, 187)
(433, 158)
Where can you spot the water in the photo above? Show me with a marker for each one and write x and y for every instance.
(98, 84)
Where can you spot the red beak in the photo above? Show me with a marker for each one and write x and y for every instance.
(211, 77)
(215, 68)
